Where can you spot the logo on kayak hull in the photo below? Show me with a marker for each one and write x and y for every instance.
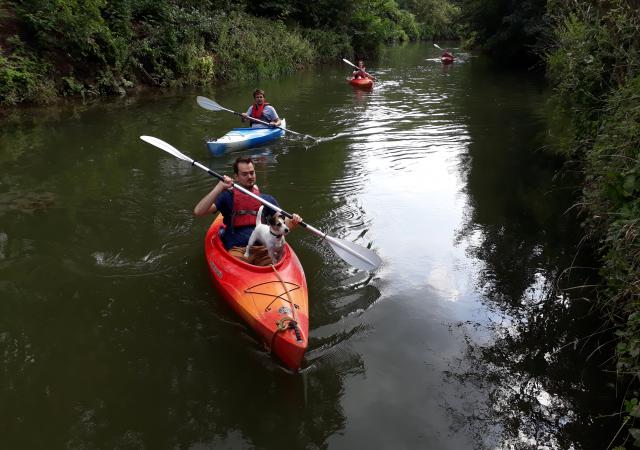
(215, 269)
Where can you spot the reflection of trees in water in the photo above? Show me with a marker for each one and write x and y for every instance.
(157, 371)
(336, 314)
(539, 380)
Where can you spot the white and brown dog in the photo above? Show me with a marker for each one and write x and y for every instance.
(270, 234)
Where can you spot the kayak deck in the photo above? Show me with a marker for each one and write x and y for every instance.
(274, 303)
(241, 138)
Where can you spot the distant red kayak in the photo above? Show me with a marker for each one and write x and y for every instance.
(273, 304)
(362, 83)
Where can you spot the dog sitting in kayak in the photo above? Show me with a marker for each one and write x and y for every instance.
(271, 235)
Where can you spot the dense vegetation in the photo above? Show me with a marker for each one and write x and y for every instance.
(52, 48)
(509, 31)
(595, 68)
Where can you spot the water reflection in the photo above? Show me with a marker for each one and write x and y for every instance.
(520, 376)
(112, 336)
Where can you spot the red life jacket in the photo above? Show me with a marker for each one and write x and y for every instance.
(360, 73)
(245, 208)
(256, 111)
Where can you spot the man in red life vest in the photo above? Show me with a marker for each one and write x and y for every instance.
(239, 211)
(360, 72)
(261, 110)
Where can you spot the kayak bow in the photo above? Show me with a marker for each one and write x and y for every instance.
(272, 300)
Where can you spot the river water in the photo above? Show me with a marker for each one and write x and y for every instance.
(472, 334)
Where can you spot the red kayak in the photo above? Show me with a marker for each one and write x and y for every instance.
(272, 300)
(362, 83)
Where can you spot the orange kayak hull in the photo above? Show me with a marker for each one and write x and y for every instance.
(263, 298)
(362, 83)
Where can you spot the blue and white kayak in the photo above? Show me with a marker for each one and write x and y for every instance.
(241, 138)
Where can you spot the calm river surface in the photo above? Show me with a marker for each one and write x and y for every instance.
(111, 335)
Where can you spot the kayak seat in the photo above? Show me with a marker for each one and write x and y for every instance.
(259, 255)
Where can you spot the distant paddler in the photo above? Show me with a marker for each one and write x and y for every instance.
(261, 110)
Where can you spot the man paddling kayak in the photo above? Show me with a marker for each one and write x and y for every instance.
(361, 71)
(446, 57)
(239, 211)
(261, 110)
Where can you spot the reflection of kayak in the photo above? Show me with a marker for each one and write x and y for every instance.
(240, 138)
(447, 58)
(363, 83)
(262, 297)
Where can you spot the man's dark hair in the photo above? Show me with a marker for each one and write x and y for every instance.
(258, 91)
(241, 159)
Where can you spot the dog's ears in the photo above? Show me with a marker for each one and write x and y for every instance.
(271, 219)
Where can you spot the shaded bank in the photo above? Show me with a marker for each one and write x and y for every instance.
(595, 69)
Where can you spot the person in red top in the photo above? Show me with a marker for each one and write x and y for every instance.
(261, 110)
(239, 210)
(360, 72)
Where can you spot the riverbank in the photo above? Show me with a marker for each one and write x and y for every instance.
(48, 51)
(595, 69)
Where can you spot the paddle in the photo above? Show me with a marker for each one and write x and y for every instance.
(353, 65)
(438, 47)
(209, 104)
(359, 257)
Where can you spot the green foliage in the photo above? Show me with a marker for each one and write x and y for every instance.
(576, 68)
(21, 77)
(327, 45)
(434, 18)
(376, 22)
(77, 27)
(595, 69)
(273, 51)
(506, 29)
(98, 47)
(323, 14)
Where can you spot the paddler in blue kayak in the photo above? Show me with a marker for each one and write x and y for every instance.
(239, 211)
(261, 110)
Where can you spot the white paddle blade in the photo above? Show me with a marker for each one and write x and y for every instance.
(166, 147)
(350, 63)
(359, 257)
(209, 104)
(437, 46)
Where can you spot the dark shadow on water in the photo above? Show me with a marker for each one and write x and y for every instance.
(533, 375)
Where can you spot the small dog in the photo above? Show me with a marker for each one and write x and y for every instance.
(271, 235)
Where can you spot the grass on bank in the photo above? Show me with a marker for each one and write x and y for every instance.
(54, 48)
(595, 69)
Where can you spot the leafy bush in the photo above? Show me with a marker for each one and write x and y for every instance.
(328, 45)
(274, 51)
(97, 47)
(595, 68)
(23, 78)
(376, 22)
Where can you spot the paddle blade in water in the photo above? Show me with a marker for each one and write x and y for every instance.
(359, 257)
